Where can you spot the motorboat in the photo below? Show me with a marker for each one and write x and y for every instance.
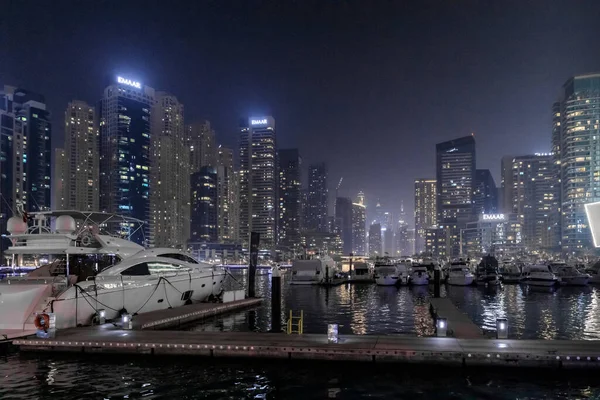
(510, 272)
(403, 269)
(419, 275)
(460, 274)
(539, 275)
(315, 271)
(94, 272)
(487, 272)
(386, 272)
(361, 272)
(594, 272)
(569, 275)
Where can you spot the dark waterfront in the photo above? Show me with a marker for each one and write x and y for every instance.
(565, 313)
(66, 377)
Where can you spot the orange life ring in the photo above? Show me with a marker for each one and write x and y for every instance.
(42, 321)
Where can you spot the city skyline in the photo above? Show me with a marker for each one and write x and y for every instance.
(367, 85)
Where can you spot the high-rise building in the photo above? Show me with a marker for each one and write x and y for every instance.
(258, 180)
(202, 146)
(225, 194)
(576, 140)
(316, 210)
(26, 121)
(125, 120)
(436, 242)
(375, 240)
(359, 221)
(425, 210)
(403, 245)
(485, 196)
(387, 233)
(506, 184)
(455, 187)
(534, 200)
(290, 186)
(81, 152)
(234, 205)
(343, 217)
(204, 201)
(59, 180)
(360, 199)
(170, 174)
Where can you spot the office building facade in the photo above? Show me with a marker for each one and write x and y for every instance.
(204, 205)
(225, 194)
(576, 141)
(125, 119)
(343, 217)
(59, 179)
(359, 224)
(170, 174)
(202, 146)
(485, 195)
(258, 180)
(316, 210)
(425, 210)
(290, 185)
(455, 180)
(375, 245)
(80, 188)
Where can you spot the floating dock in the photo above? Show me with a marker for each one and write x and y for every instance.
(175, 317)
(459, 352)
(460, 325)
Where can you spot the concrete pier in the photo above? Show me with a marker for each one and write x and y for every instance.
(459, 352)
(459, 324)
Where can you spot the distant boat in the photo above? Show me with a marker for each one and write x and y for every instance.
(314, 271)
(386, 272)
(569, 275)
(361, 272)
(419, 275)
(460, 274)
(487, 272)
(510, 272)
(539, 275)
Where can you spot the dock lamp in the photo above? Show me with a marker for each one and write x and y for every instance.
(441, 325)
(501, 328)
(126, 319)
(332, 333)
(101, 317)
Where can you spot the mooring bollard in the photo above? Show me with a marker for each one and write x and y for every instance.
(436, 282)
(276, 300)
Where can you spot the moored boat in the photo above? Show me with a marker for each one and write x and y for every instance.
(419, 275)
(569, 275)
(460, 274)
(386, 273)
(510, 272)
(539, 275)
(487, 272)
(313, 271)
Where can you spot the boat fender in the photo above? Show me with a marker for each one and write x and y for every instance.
(42, 321)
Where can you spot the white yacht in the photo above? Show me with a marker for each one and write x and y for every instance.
(313, 271)
(386, 273)
(487, 272)
(569, 275)
(594, 272)
(94, 271)
(403, 269)
(539, 275)
(510, 272)
(460, 274)
(419, 275)
(361, 272)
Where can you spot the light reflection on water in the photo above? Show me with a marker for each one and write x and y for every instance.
(564, 313)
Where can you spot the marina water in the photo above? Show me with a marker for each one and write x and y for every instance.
(567, 313)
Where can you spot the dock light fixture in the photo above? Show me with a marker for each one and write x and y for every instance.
(332, 333)
(441, 325)
(126, 319)
(101, 317)
(501, 328)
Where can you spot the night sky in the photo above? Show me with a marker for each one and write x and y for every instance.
(369, 87)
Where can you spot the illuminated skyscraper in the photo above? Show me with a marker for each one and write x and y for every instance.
(59, 179)
(455, 187)
(204, 205)
(125, 119)
(359, 221)
(534, 200)
(290, 186)
(315, 212)
(343, 217)
(170, 174)
(80, 186)
(425, 210)
(225, 194)
(576, 141)
(258, 180)
(485, 195)
(375, 240)
(202, 146)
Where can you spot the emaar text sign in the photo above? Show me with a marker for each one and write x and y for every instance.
(258, 121)
(129, 82)
(493, 217)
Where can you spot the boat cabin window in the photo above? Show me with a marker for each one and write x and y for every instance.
(159, 267)
(137, 270)
(180, 257)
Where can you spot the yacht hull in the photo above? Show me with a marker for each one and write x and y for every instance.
(460, 280)
(574, 280)
(386, 280)
(419, 280)
(539, 282)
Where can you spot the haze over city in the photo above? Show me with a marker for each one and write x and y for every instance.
(370, 89)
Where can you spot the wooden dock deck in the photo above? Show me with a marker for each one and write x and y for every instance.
(174, 317)
(108, 340)
(460, 325)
